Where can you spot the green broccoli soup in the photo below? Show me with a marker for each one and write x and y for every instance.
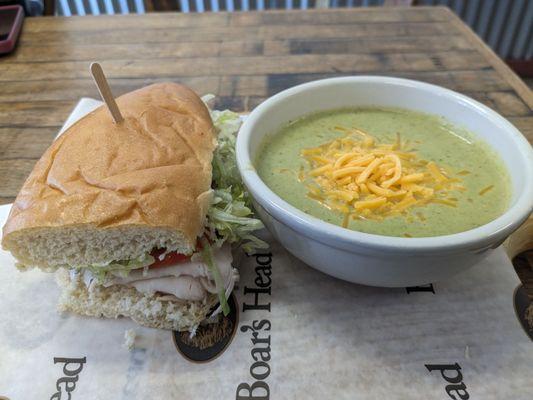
(385, 171)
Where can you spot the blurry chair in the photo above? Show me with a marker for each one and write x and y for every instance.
(49, 7)
(31, 7)
(97, 7)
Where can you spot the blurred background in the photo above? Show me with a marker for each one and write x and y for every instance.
(505, 25)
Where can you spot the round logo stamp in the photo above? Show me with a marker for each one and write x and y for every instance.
(210, 340)
(524, 310)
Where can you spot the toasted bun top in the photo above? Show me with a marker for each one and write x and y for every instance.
(153, 169)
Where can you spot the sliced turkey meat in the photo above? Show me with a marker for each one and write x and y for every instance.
(188, 280)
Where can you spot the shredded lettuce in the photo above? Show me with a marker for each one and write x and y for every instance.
(207, 255)
(229, 218)
(117, 268)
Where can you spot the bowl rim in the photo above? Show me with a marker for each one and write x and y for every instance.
(485, 235)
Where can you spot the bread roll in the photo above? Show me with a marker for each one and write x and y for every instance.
(105, 192)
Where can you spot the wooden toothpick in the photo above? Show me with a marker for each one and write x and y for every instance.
(105, 92)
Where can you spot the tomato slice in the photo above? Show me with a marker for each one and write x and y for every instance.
(170, 258)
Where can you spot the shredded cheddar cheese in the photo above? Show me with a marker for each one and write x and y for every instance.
(485, 190)
(362, 178)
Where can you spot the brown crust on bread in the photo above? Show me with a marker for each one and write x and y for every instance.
(154, 169)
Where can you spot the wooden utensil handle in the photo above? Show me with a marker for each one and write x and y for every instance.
(105, 92)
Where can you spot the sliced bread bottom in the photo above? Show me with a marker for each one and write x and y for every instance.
(151, 310)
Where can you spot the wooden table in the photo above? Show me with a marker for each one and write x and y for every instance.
(241, 57)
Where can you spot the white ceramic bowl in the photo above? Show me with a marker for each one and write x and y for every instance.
(373, 259)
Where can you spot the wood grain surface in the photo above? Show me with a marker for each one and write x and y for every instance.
(242, 58)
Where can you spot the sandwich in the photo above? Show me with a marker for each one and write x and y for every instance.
(138, 219)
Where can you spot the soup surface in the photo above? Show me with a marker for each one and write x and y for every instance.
(475, 188)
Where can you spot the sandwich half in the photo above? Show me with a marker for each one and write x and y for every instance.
(132, 216)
